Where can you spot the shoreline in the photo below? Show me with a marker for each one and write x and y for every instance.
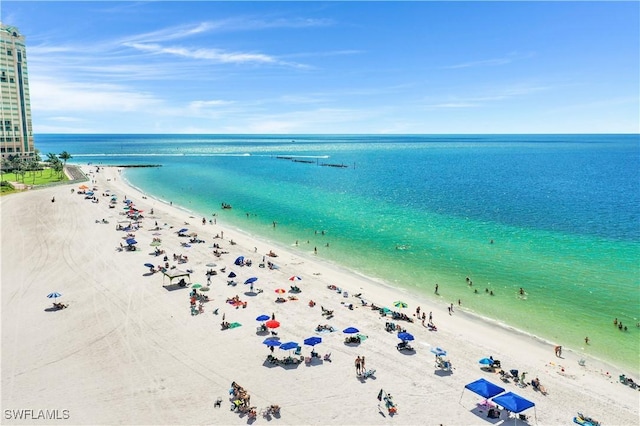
(128, 351)
(423, 297)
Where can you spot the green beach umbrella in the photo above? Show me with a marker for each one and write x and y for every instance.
(400, 304)
(196, 286)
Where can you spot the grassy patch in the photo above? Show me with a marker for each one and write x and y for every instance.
(5, 188)
(41, 177)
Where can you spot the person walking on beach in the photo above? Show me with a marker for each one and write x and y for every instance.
(358, 365)
(558, 351)
(430, 317)
(362, 365)
(586, 340)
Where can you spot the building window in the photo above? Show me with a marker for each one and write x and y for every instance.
(9, 52)
(11, 80)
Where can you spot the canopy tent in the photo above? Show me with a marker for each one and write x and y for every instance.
(513, 402)
(175, 273)
(484, 388)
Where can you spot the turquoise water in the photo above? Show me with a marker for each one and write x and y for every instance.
(563, 212)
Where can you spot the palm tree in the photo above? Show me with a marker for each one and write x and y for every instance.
(33, 165)
(58, 167)
(64, 156)
(52, 159)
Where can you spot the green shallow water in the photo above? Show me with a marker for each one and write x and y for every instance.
(576, 284)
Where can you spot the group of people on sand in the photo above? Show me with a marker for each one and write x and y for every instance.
(235, 301)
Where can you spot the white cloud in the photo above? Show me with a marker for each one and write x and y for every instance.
(216, 55)
(61, 96)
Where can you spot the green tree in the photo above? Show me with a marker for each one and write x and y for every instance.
(52, 159)
(32, 164)
(58, 167)
(64, 156)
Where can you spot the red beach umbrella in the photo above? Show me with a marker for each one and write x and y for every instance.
(280, 290)
(272, 324)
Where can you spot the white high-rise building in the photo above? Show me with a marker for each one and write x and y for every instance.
(16, 133)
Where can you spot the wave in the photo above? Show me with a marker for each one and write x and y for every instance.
(246, 154)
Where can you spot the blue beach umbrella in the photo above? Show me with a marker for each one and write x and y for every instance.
(131, 241)
(182, 230)
(263, 318)
(232, 274)
(350, 330)
(54, 295)
(239, 260)
(288, 346)
(404, 336)
(149, 265)
(312, 341)
(486, 361)
(272, 342)
(438, 351)
(251, 280)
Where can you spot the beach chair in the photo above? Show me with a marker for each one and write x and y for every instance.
(327, 357)
(298, 351)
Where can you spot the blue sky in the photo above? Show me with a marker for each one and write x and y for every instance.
(331, 67)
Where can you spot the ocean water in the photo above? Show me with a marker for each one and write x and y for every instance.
(558, 215)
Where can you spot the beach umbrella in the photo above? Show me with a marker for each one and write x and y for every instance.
(486, 361)
(404, 336)
(204, 289)
(210, 265)
(239, 260)
(271, 342)
(83, 187)
(155, 243)
(263, 318)
(232, 274)
(131, 241)
(280, 290)
(312, 341)
(513, 402)
(350, 330)
(400, 304)
(182, 230)
(196, 286)
(438, 351)
(295, 278)
(288, 346)
(272, 324)
(148, 265)
(54, 295)
(251, 280)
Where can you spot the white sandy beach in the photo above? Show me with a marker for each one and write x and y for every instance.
(127, 350)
